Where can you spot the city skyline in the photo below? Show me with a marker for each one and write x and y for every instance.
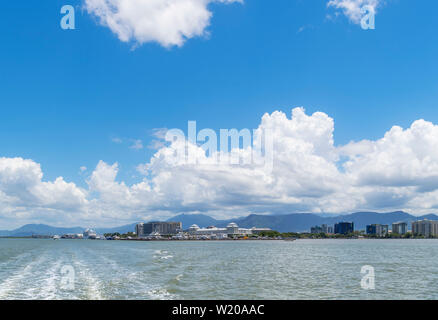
(352, 112)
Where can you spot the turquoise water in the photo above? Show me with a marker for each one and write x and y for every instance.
(302, 269)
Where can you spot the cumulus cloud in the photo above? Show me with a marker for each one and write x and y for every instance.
(21, 186)
(168, 22)
(401, 158)
(352, 8)
(309, 174)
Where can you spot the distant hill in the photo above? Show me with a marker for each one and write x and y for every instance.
(4, 233)
(122, 229)
(362, 219)
(201, 220)
(430, 216)
(295, 222)
(42, 229)
(302, 222)
(39, 229)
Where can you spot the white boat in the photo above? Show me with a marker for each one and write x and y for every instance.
(56, 237)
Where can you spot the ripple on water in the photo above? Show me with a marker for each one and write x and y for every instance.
(16, 286)
(326, 269)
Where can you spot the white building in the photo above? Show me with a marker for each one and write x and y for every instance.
(72, 236)
(90, 234)
(425, 227)
(231, 230)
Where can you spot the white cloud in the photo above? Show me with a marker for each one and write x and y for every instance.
(352, 8)
(310, 174)
(137, 144)
(23, 192)
(159, 135)
(401, 158)
(305, 27)
(116, 140)
(168, 22)
(398, 171)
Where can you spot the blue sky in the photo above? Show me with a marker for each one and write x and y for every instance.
(67, 94)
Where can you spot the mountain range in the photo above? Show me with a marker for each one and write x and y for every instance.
(43, 229)
(295, 222)
(302, 222)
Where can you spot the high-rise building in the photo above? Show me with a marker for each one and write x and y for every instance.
(316, 229)
(379, 230)
(162, 228)
(344, 227)
(399, 227)
(425, 228)
(321, 229)
(326, 228)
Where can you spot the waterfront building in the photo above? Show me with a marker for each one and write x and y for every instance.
(139, 230)
(162, 228)
(316, 229)
(231, 230)
(180, 236)
(371, 229)
(322, 229)
(89, 234)
(344, 227)
(154, 235)
(72, 236)
(195, 230)
(379, 230)
(425, 228)
(400, 227)
(326, 229)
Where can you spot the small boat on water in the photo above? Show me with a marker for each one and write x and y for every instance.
(56, 237)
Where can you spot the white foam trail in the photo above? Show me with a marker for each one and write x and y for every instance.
(12, 286)
(15, 260)
(161, 294)
(49, 288)
(92, 284)
(160, 251)
(162, 255)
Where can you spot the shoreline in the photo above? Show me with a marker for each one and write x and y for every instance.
(226, 240)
